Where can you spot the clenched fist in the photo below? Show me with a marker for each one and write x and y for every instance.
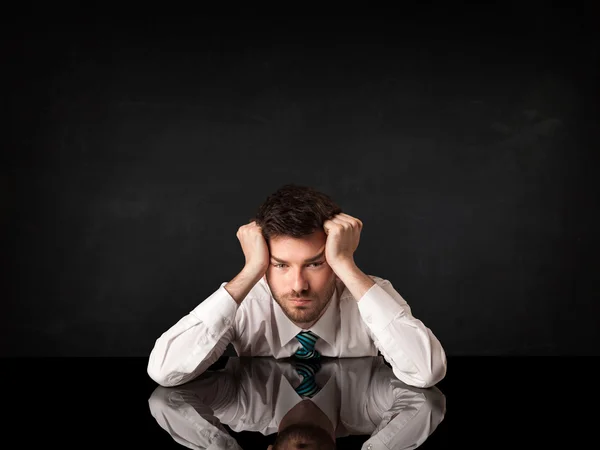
(254, 247)
(343, 235)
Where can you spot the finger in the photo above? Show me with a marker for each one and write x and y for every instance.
(346, 218)
(346, 223)
(328, 225)
(340, 221)
(351, 219)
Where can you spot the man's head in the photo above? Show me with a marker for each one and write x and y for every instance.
(295, 211)
(292, 220)
(303, 436)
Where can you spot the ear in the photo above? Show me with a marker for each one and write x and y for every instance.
(270, 447)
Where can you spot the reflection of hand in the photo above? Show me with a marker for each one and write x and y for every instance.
(343, 235)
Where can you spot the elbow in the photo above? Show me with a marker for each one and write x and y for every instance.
(436, 369)
(433, 376)
(162, 377)
(435, 373)
(158, 377)
(426, 377)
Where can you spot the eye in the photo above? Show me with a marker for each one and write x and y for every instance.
(278, 266)
(317, 264)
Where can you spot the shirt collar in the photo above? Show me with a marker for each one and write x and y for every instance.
(325, 328)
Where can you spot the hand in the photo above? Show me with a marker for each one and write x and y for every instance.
(343, 235)
(255, 248)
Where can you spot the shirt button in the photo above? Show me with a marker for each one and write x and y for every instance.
(226, 321)
(369, 446)
(368, 319)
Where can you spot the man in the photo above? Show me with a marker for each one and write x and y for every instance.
(300, 294)
(261, 397)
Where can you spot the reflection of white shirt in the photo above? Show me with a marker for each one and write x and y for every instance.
(360, 396)
(380, 321)
(327, 399)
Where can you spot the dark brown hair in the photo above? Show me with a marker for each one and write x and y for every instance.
(295, 211)
(304, 436)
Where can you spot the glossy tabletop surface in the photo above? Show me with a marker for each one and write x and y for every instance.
(487, 402)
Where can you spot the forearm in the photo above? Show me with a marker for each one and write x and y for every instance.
(242, 284)
(189, 421)
(196, 341)
(412, 417)
(355, 280)
(415, 354)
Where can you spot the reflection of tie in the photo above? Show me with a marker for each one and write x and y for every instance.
(308, 387)
(307, 340)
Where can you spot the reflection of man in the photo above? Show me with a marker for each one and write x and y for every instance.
(300, 293)
(342, 397)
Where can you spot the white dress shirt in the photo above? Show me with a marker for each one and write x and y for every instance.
(380, 321)
(360, 396)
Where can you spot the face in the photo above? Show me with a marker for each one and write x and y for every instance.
(300, 279)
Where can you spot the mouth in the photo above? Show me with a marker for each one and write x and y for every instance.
(300, 301)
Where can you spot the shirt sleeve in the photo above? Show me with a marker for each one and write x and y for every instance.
(187, 413)
(196, 341)
(405, 416)
(415, 354)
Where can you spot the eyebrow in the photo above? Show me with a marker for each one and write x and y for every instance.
(309, 260)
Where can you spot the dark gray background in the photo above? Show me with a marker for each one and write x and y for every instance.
(463, 138)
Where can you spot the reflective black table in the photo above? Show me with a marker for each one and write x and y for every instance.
(488, 402)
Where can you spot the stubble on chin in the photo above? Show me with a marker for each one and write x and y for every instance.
(302, 315)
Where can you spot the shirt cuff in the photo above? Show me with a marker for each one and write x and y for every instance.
(218, 311)
(378, 308)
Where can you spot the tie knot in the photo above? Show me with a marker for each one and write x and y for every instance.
(307, 341)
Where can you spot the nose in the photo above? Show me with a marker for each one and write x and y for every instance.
(300, 283)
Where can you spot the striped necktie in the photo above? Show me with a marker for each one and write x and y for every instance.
(307, 368)
(307, 341)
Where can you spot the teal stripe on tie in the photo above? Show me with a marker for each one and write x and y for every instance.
(307, 341)
(307, 369)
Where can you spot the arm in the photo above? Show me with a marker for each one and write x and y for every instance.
(197, 340)
(241, 396)
(414, 353)
(187, 412)
(404, 416)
